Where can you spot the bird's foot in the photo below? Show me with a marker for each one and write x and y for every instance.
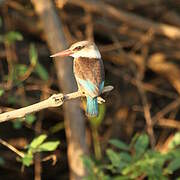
(100, 100)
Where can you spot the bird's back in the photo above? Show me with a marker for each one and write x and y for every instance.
(89, 69)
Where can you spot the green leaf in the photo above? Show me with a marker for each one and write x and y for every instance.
(33, 55)
(13, 36)
(174, 153)
(39, 68)
(30, 118)
(119, 144)
(17, 124)
(20, 70)
(42, 72)
(48, 146)
(57, 127)
(1, 92)
(120, 178)
(114, 157)
(37, 141)
(27, 160)
(141, 144)
(175, 141)
(125, 157)
(88, 163)
(174, 165)
(12, 100)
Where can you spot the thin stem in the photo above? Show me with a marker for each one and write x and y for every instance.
(12, 148)
(97, 146)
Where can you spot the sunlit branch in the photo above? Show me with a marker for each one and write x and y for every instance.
(53, 101)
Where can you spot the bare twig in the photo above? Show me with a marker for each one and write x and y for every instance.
(173, 105)
(158, 63)
(169, 31)
(51, 157)
(12, 148)
(168, 123)
(147, 113)
(53, 101)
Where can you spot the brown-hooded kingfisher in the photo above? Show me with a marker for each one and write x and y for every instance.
(88, 71)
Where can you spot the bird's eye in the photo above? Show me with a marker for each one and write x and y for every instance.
(78, 48)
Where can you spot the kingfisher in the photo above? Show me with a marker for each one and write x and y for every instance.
(88, 70)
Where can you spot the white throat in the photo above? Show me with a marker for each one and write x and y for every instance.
(88, 53)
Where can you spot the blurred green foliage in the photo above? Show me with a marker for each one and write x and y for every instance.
(41, 71)
(17, 74)
(56, 128)
(136, 160)
(20, 72)
(1, 91)
(175, 142)
(38, 145)
(39, 68)
(30, 118)
(17, 124)
(11, 37)
(33, 55)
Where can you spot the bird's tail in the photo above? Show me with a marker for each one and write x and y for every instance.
(92, 107)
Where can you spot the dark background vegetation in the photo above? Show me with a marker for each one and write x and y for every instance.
(140, 45)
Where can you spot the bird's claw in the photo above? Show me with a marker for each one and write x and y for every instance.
(100, 100)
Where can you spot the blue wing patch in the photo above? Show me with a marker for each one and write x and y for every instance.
(101, 86)
(90, 87)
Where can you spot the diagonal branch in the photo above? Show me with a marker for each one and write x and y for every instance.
(53, 101)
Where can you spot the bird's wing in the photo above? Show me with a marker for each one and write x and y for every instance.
(89, 74)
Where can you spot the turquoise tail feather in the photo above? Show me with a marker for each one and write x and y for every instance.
(92, 107)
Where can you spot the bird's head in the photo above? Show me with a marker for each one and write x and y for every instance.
(81, 49)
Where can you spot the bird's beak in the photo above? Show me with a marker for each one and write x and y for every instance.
(67, 52)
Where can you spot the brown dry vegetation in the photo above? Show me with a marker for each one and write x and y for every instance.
(140, 45)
